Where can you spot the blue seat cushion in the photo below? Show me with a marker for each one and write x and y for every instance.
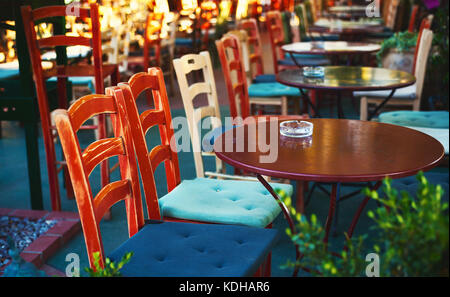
(264, 78)
(273, 89)
(183, 42)
(426, 119)
(169, 249)
(410, 184)
(223, 201)
(329, 37)
(79, 81)
(8, 73)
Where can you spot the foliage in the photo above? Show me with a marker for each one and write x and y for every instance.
(402, 41)
(111, 268)
(414, 231)
(412, 236)
(316, 256)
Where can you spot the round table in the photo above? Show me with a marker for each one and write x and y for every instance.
(348, 78)
(331, 48)
(348, 30)
(339, 151)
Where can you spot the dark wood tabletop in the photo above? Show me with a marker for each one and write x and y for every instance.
(338, 151)
(331, 47)
(350, 78)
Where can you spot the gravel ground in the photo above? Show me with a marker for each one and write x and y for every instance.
(22, 231)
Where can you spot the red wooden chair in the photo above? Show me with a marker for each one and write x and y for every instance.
(425, 24)
(413, 17)
(98, 70)
(159, 248)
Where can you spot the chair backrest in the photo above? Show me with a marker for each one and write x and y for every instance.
(426, 40)
(392, 14)
(413, 17)
(116, 45)
(184, 66)
(160, 116)
(243, 39)
(81, 163)
(276, 35)
(230, 55)
(256, 64)
(152, 39)
(31, 17)
(171, 28)
(302, 20)
(425, 24)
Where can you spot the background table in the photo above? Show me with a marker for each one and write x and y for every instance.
(347, 30)
(330, 154)
(348, 78)
(332, 48)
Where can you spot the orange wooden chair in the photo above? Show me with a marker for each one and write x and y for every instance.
(413, 18)
(97, 70)
(159, 248)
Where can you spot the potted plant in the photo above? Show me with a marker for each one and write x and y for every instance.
(397, 51)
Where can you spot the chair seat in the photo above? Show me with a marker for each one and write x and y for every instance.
(264, 78)
(407, 93)
(410, 184)
(305, 56)
(426, 119)
(79, 81)
(169, 249)
(305, 62)
(273, 89)
(223, 201)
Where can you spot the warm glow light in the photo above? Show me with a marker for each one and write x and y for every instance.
(241, 9)
(189, 4)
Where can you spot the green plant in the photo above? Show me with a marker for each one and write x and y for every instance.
(414, 231)
(111, 268)
(317, 258)
(402, 41)
(412, 239)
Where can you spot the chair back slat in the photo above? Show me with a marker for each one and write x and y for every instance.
(425, 24)
(61, 40)
(159, 154)
(80, 165)
(426, 40)
(230, 55)
(95, 153)
(185, 66)
(413, 17)
(89, 106)
(58, 10)
(153, 81)
(151, 117)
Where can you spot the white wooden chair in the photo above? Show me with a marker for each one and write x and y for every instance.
(408, 96)
(183, 67)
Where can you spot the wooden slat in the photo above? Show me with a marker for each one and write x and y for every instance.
(109, 195)
(199, 88)
(89, 106)
(159, 154)
(58, 10)
(152, 117)
(101, 150)
(63, 40)
(141, 81)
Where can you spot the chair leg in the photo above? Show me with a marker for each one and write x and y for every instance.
(363, 109)
(284, 105)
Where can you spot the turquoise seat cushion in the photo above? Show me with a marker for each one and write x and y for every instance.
(169, 249)
(184, 42)
(79, 81)
(427, 119)
(304, 56)
(264, 78)
(223, 201)
(8, 73)
(273, 89)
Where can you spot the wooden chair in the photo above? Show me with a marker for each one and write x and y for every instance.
(201, 199)
(276, 36)
(242, 95)
(409, 96)
(159, 248)
(413, 18)
(97, 70)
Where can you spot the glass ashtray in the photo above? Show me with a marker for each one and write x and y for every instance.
(296, 128)
(313, 71)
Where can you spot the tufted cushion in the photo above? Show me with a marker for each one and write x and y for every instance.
(168, 249)
(223, 201)
(274, 89)
(79, 81)
(410, 183)
(407, 93)
(427, 119)
(264, 78)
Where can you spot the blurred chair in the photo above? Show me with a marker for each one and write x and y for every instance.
(98, 70)
(159, 248)
(408, 96)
